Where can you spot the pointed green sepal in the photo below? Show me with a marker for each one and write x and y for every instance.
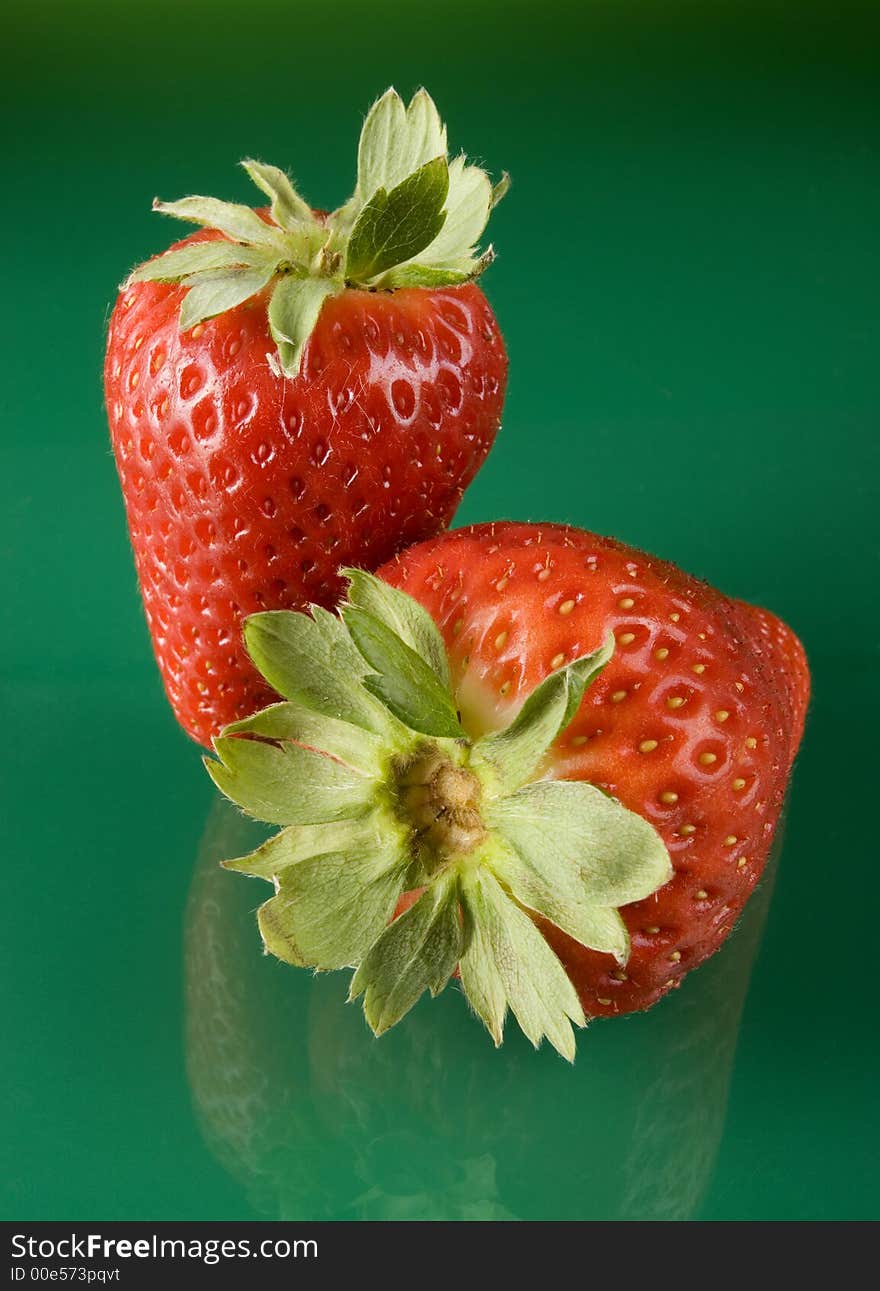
(566, 828)
(401, 679)
(302, 842)
(288, 209)
(330, 910)
(508, 962)
(349, 744)
(516, 751)
(410, 620)
(218, 290)
(395, 226)
(418, 952)
(239, 223)
(311, 659)
(293, 313)
(287, 784)
(199, 257)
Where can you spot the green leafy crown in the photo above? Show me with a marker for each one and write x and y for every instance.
(415, 219)
(382, 792)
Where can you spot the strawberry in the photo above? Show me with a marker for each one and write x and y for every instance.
(557, 761)
(289, 390)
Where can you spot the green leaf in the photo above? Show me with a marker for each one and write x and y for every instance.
(480, 977)
(217, 290)
(312, 660)
(329, 910)
(186, 261)
(403, 614)
(293, 313)
(288, 784)
(302, 842)
(417, 952)
(556, 891)
(292, 721)
(506, 951)
(288, 209)
(395, 226)
(397, 140)
(565, 827)
(468, 205)
(516, 751)
(406, 685)
(239, 223)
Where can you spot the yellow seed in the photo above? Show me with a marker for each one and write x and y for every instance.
(688, 829)
(675, 617)
(601, 1000)
(619, 975)
(738, 784)
(675, 702)
(566, 607)
(543, 575)
(662, 653)
(457, 626)
(652, 929)
(699, 669)
(742, 862)
(504, 688)
(731, 840)
(740, 687)
(133, 380)
(626, 603)
(502, 583)
(557, 661)
(579, 741)
(647, 746)
(668, 797)
(197, 331)
(751, 742)
(138, 342)
(626, 638)
(701, 895)
(618, 696)
(706, 759)
(722, 715)
(500, 640)
(675, 956)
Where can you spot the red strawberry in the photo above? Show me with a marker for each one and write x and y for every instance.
(694, 723)
(526, 737)
(288, 392)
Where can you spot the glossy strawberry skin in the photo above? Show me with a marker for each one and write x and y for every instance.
(246, 491)
(694, 724)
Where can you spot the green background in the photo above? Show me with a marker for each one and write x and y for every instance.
(687, 282)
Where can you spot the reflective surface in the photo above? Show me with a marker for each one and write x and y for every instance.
(317, 1120)
(687, 283)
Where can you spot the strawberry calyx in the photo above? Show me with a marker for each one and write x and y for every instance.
(414, 219)
(382, 792)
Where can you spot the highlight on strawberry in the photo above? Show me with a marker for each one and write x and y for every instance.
(525, 754)
(289, 391)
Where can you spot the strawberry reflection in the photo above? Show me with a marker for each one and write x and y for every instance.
(317, 1119)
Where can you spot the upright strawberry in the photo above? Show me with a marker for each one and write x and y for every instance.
(289, 391)
(558, 760)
